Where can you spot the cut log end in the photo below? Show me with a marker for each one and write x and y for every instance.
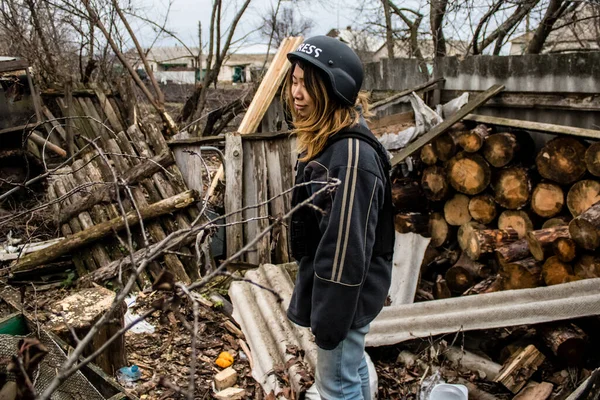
(438, 229)
(428, 155)
(469, 173)
(434, 183)
(512, 188)
(517, 220)
(547, 199)
(592, 159)
(483, 208)
(583, 195)
(499, 149)
(565, 249)
(456, 210)
(562, 160)
(555, 272)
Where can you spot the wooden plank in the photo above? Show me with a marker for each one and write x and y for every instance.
(189, 160)
(55, 124)
(538, 100)
(275, 156)
(535, 126)
(108, 110)
(234, 157)
(269, 86)
(441, 128)
(69, 112)
(264, 96)
(255, 192)
(405, 92)
(14, 65)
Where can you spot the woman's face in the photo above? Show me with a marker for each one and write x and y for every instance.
(303, 103)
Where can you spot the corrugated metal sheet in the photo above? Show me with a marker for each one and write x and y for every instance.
(396, 324)
(268, 331)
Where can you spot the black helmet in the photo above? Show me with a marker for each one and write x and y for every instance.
(337, 60)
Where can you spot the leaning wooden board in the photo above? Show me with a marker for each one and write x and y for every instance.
(444, 126)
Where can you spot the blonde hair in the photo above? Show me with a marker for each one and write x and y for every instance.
(328, 117)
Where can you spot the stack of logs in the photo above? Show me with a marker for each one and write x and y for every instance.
(499, 215)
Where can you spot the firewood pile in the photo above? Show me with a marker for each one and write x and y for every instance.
(506, 211)
(501, 216)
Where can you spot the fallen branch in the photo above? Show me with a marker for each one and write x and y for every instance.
(99, 231)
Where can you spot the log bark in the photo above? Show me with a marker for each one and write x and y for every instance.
(540, 241)
(444, 146)
(428, 155)
(408, 197)
(438, 229)
(518, 220)
(555, 272)
(471, 141)
(585, 229)
(587, 266)
(483, 208)
(108, 194)
(489, 285)
(521, 274)
(465, 231)
(592, 159)
(87, 236)
(456, 210)
(547, 199)
(512, 188)
(583, 195)
(565, 249)
(488, 240)
(412, 222)
(517, 370)
(465, 273)
(468, 173)
(434, 183)
(562, 160)
(567, 342)
(512, 252)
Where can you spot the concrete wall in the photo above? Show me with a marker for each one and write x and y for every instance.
(571, 73)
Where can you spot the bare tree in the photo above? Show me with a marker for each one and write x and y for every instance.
(556, 8)
(280, 24)
(436, 17)
(389, 29)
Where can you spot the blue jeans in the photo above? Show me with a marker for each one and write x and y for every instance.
(342, 373)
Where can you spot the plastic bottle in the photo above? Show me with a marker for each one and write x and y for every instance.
(127, 376)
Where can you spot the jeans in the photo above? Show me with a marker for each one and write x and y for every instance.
(342, 373)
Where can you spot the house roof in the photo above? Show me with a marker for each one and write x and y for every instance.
(171, 53)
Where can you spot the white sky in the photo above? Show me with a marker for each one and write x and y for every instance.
(184, 16)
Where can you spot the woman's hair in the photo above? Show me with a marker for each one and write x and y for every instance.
(328, 117)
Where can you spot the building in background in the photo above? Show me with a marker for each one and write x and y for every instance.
(573, 32)
(179, 64)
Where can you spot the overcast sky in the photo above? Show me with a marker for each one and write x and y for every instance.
(184, 16)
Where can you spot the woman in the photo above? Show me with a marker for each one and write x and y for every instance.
(344, 252)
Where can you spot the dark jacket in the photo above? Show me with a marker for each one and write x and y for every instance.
(345, 266)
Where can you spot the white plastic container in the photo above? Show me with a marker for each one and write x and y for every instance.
(446, 391)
